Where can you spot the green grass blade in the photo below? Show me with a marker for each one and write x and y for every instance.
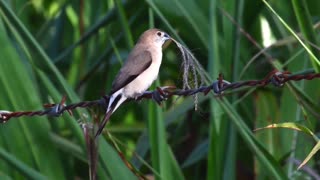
(314, 59)
(42, 63)
(20, 166)
(111, 161)
(124, 23)
(305, 23)
(216, 129)
(264, 157)
(290, 125)
(197, 154)
(163, 160)
(196, 19)
(30, 133)
(315, 149)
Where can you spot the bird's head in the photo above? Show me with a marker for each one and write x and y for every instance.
(154, 36)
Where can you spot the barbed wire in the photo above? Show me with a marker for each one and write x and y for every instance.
(219, 86)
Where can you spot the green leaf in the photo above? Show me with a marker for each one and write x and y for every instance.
(20, 166)
(163, 160)
(110, 160)
(314, 59)
(304, 18)
(32, 143)
(217, 127)
(315, 149)
(263, 156)
(290, 125)
(197, 154)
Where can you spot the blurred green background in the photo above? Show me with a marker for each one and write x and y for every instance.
(75, 48)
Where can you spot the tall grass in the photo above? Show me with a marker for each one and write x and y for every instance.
(56, 48)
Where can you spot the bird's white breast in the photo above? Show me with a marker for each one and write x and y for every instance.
(146, 78)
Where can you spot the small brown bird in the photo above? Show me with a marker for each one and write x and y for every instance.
(138, 72)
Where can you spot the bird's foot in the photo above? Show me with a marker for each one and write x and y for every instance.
(161, 94)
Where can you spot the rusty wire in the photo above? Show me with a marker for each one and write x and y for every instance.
(275, 78)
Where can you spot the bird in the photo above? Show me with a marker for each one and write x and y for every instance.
(139, 71)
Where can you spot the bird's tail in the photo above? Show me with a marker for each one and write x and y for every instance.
(114, 103)
(104, 122)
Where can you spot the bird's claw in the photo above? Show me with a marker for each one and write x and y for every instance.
(161, 94)
(3, 116)
(218, 85)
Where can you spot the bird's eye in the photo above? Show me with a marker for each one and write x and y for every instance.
(159, 33)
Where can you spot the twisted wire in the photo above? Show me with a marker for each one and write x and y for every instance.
(275, 78)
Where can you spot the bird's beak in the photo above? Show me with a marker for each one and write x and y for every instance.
(167, 40)
(167, 37)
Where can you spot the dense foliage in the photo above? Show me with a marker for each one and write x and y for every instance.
(54, 48)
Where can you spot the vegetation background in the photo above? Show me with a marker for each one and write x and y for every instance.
(74, 48)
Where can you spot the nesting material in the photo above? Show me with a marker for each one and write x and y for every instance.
(193, 73)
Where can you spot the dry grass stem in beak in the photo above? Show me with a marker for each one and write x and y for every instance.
(190, 65)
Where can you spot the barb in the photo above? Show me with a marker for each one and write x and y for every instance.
(275, 78)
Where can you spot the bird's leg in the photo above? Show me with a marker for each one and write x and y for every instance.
(156, 96)
(160, 94)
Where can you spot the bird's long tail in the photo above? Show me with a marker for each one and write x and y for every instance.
(104, 122)
(114, 103)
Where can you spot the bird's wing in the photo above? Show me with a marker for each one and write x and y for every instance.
(131, 69)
